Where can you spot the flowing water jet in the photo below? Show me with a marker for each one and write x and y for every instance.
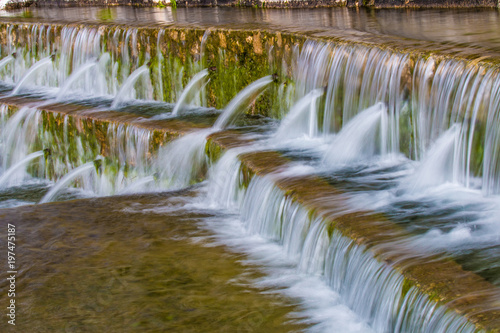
(17, 135)
(128, 85)
(439, 165)
(7, 176)
(241, 102)
(63, 182)
(192, 88)
(301, 120)
(6, 61)
(33, 69)
(73, 77)
(357, 141)
(184, 160)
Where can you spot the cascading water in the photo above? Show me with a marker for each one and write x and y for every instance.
(64, 181)
(33, 70)
(241, 102)
(184, 160)
(9, 175)
(367, 104)
(126, 89)
(350, 270)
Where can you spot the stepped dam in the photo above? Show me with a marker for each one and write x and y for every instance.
(242, 170)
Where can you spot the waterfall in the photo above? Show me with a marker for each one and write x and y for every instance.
(439, 115)
(347, 268)
(491, 180)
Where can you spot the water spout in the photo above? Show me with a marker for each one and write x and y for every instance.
(5, 61)
(241, 102)
(127, 85)
(64, 181)
(184, 159)
(4, 179)
(192, 87)
(301, 118)
(73, 77)
(33, 69)
(439, 165)
(357, 139)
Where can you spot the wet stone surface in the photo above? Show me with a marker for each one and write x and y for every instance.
(112, 265)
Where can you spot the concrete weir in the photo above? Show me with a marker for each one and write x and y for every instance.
(433, 291)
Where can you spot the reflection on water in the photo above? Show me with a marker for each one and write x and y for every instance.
(86, 267)
(452, 29)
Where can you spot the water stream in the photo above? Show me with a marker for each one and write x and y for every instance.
(125, 89)
(33, 69)
(9, 175)
(63, 182)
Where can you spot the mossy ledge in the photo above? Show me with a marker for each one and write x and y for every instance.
(441, 279)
